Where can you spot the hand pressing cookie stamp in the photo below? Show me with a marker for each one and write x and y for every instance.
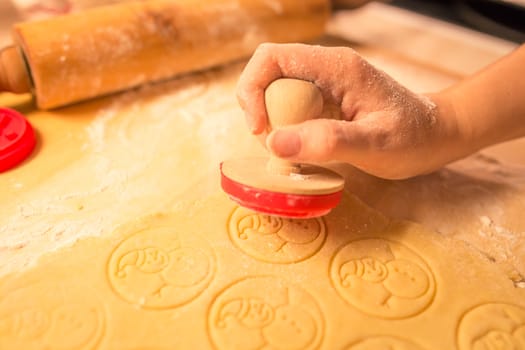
(382, 278)
(277, 186)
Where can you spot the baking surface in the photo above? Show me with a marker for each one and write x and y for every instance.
(239, 280)
(90, 200)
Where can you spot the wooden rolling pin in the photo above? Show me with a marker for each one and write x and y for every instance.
(75, 57)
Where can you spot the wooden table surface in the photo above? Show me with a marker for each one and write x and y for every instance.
(81, 182)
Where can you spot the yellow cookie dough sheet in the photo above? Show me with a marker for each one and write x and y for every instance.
(216, 276)
(89, 263)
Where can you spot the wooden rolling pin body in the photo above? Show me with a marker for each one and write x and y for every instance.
(80, 56)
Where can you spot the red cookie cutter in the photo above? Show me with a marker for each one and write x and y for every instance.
(17, 139)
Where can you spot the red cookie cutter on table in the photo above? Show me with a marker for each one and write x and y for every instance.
(17, 139)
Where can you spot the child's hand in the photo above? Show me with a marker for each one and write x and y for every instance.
(385, 129)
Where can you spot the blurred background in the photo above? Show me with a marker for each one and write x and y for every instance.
(501, 18)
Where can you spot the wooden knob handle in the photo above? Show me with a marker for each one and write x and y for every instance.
(290, 101)
(13, 72)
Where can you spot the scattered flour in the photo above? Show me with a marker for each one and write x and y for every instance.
(144, 152)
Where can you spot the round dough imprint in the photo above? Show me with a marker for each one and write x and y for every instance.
(265, 313)
(51, 315)
(276, 239)
(382, 278)
(492, 326)
(158, 268)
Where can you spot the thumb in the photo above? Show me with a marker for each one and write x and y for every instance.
(317, 140)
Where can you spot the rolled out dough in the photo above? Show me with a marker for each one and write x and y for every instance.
(99, 164)
(215, 276)
(206, 271)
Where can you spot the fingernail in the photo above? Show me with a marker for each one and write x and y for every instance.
(285, 144)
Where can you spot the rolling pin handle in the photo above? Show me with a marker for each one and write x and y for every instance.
(288, 102)
(14, 76)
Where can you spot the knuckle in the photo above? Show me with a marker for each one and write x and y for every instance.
(355, 62)
(264, 49)
(331, 139)
(381, 140)
(349, 54)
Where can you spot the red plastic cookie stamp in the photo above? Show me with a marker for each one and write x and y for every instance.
(313, 192)
(277, 186)
(17, 139)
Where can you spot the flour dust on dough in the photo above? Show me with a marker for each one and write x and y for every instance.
(136, 153)
(194, 278)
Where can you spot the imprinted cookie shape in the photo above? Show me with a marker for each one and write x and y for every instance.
(158, 268)
(275, 239)
(265, 313)
(492, 326)
(382, 278)
(51, 315)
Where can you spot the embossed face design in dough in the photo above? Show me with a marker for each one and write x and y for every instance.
(157, 268)
(405, 279)
(75, 320)
(369, 269)
(275, 239)
(61, 318)
(292, 328)
(382, 278)
(264, 313)
(25, 324)
(259, 224)
(497, 339)
(251, 313)
(493, 326)
(147, 260)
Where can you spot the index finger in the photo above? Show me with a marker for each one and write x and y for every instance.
(260, 71)
(325, 67)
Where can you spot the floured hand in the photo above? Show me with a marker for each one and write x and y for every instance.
(385, 129)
